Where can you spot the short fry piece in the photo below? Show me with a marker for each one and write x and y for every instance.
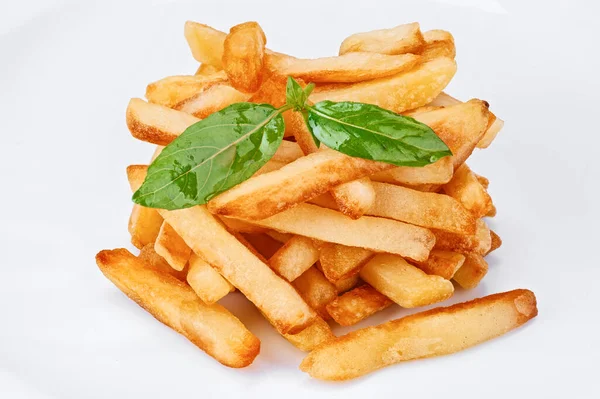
(296, 256)
(439, 172)
(316, 290)
(149, 256)
(480, 242)
(398, 93)
(318, 333)
(472, 271)
(214, 97)
(354, 198)
(174, 89)
(357, 304)
(171, 247)
(339, 261)
(442, 263)
(436, 332)
(210, 327)
(206, 70)
(347, 283)
(467, 190)
(399, 40)
(348, 68)
(206, 282)
(144, 225)
(206, 43)
(438, 43)
(496, 241)
(403, 283)
(243, 56)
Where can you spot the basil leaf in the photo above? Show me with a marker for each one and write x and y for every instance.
(212, 156)
(370, 132)
(294, 94)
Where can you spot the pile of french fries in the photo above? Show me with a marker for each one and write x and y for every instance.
(315, 236)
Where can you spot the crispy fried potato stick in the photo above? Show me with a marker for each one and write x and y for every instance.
(149, 256)
(243, 56)
(466, 189)
(438, 43)
(316, 290)
(480, 242)
(174, 89)
(210, 327)
(439, 172)
(442, 263)
(435, 332)
(308, 339)
(295, 257)
(206, 282)
(172, 248)
(347, 283)
(340, 261)
(144, 225)
(404, 283)
(214, 97)
(496, 242)
(206, 43)
(206, 70)
(357, 304)
(472, 271)
(399, 40)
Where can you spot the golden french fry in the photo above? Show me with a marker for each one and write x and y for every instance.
(295, 257)
(149, 256)
(263, 243)
(316, 290)
(472, 271)
(484, 181)
(206, 70)
(206, 43)
(214, 97)
(144, 225)
(357, 304)
(404, 283)
(206, 282)
(436, 332)
(339, 261)
(307, 177)
(439, 172)
(354, 198)
(323, 224)
(287, 152)
(466, 189)
(480, 242)
(172, 248)
(348, 68)
(442, 263)
(308, 339)
(174, 89)
(398, 93)
(496, 242)
(346, 284)
(240, 226)
(243, 56)
(424, 108)
(429, 210)
(492, 212)
(209, 239)
(438, 43)
(399, 40)
(210, 327)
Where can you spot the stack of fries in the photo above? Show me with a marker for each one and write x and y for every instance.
(315, 236)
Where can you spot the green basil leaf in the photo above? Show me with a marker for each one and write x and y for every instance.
(294, 94)
(212, 156)
(370, 132)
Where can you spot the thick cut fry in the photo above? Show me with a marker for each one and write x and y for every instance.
(404, 283)
(294, 258)
(339, 261)
(430, 210)
(316, 290)
(436, 332)
(399, 40)
(354, 198)
(384, 235)
(212, 98)
(149, 256)
(480, 242)
(206, 282)
(287, 152)
(347, 68)
(209, 239)
(155, 123)
(295, 125)
(496, 241)
(467, 190)
(484, 181)
(174, 89)
(398, 93)
(243, 56)
(266, 245)
(144, 225)
(262, 196)
(206, 43)
(439, 172)
(347, 283)
(270, 166)
(438, 43)
(206, 70)
(472, 271)
(210, 327)
(357, 305)
(308, 339)
(442, 263)
(171, 247)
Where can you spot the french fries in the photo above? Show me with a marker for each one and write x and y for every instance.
(172, 248)
(347, 68)
(205, 43)
(404, 91)
(403, 283)
(438, 43)
(480, 242)
(206, 70)
(357, 305)
(472, 271)
(294, 258)
(323, 224)
(144, 225)
(439, 172)
(210, 327)
(172, 90)
(308, 339)
(466, 189)
(399, 40)
(213, 98)
(436, 332)
(496, 242)
(316, 290)
(243, 56)
(354, 198)
(149, 256)
(206, 282)
(442, 263)
(339, 261)
(346, 284)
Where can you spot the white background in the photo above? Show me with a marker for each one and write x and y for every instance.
(67, 71)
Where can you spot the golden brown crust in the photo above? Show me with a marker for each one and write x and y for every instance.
(401, 39)
(472, 271)
(295, 257)
(316, 290)
(172, 248)
(466, 189)
(339, 262)
(496, 241)
(442, 263)
(480, 242)
(243, 56)
(357, 304)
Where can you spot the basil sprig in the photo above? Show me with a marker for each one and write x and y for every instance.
(230, 145)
